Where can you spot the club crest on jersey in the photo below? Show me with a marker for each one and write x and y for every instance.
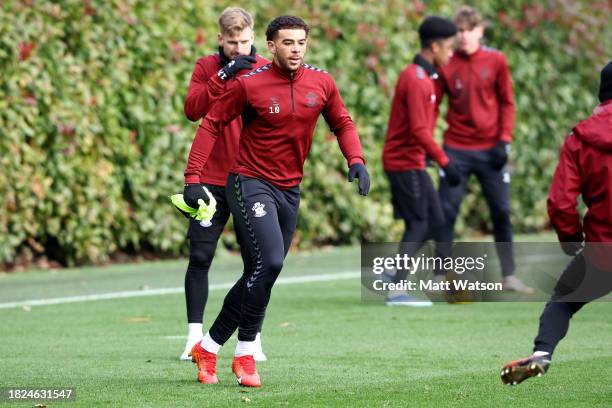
(259, 209)
(274, 105)
(458, 85)
(311, 99)
(485, 73)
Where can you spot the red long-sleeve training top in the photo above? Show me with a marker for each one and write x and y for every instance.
(481, 104)
(413, 119)
(205, 88)
(585, 167)
(280, 112)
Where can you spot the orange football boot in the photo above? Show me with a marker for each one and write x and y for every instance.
(207, 364)
(245, 371)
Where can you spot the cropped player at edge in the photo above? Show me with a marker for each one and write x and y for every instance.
(585, 168)
(208, 81)
(410, 139)
(280, 104)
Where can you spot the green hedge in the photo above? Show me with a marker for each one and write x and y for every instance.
(94, 137)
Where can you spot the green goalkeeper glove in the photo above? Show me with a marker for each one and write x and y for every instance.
(203, 213)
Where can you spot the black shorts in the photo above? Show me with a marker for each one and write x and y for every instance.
(211, 234)
(414, 197)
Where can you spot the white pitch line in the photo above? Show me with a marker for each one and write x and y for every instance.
(170, 291)
(218, 286)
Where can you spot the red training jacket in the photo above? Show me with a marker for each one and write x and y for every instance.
(481, 105)
(204, 89)
(280, 111)
(413, 120)
(585, 167)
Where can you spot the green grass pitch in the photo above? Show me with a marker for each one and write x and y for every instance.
(324, 346)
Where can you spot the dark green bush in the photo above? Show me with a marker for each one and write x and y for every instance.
(94, 137)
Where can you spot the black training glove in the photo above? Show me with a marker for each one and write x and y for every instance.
(451, 174)
(571, 248)
(499, 155)
(236, 65)
(359, 171)
(572, 245)
(192, 193)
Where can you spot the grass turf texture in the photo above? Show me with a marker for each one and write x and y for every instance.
(325, 347)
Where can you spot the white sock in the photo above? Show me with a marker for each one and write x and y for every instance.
(194, 331)
(210, 345)
(245, 348)
(540, 353)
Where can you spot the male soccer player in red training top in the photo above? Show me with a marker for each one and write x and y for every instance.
(585, 168)
(208, 81)
(410, 138)
(480, 121)
(280, 104)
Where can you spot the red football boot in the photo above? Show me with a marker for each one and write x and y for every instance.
(245, 371)
(207, 364)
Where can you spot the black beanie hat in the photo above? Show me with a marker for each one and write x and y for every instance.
(435, 28)
(605, 86)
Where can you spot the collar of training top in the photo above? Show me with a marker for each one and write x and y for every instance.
(297, 74)
(225, 60)
(423, 63)
(463, 55)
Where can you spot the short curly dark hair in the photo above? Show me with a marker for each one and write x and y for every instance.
(283, 23)
(434, 29)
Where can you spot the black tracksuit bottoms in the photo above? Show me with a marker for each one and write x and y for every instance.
(265, 219)
(579, 284)
(415, 200)
(496, 189)
(202, 246)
